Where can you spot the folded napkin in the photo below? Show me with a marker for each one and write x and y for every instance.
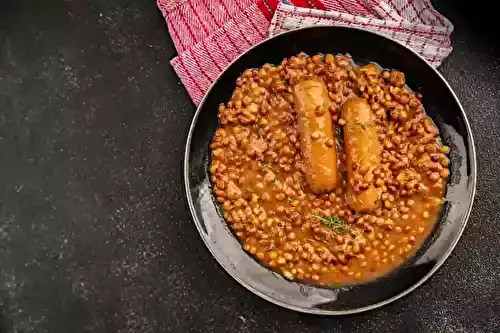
(210, 34)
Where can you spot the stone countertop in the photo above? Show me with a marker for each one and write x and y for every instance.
(94, 232)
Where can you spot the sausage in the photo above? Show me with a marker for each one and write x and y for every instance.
(316, 134)
(362, 154)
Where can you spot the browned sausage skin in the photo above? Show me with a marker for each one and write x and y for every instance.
(362, 152)
(316, 134)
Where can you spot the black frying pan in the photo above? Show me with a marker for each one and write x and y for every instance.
(441, 105)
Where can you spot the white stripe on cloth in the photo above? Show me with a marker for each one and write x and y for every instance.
(431, 42)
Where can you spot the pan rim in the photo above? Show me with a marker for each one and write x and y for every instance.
(473, 180)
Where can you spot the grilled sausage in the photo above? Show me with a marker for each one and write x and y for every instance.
(316, 134)
(362, 153)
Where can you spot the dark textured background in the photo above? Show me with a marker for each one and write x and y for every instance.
(94, 232)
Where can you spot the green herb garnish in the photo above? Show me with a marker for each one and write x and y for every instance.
(267, 165)
(276, 182)
(290, 200)
(363, 126)
(334, 223)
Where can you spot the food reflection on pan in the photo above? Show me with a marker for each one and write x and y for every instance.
(327, 172)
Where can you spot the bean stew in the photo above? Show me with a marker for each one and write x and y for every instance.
(327, 172)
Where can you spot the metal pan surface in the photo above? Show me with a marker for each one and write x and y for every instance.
(440, 103)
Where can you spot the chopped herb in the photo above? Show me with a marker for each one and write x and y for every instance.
(267, 165)
(363, 126)
(334, 223)
(276, 182)
(221, 210)
(290, 200)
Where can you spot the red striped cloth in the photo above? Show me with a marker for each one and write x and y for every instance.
(209, 34)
